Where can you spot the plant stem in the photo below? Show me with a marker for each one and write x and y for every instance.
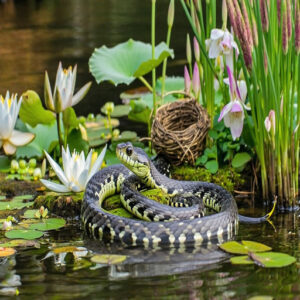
(146, 83)
(60, 141)
(153, 55)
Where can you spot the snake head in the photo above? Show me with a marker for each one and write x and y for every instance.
(135, 159)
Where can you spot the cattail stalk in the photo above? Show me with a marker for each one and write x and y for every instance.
(284, 28)
(264, 15)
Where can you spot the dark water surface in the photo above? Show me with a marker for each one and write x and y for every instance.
(35, 36)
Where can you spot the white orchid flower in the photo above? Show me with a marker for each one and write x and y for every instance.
(76, 171)
(222, 42)
(10, 138)
(233, 112)
(63, 95)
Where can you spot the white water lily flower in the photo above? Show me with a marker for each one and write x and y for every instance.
(222, 42)
(76, 171)
(233, 112)
(63, 95)
(10, 138)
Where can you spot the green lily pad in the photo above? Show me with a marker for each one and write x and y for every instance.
(15, 203)
(108, 259)
(246, 246)
(126, 61)
(21, 243)
(126, 136)
(23, 197)
(241, 260)
(2, 198)
(49, 224)
(272, 259)
(174, 83)
(26, 234)
(261, 297)
(32, 111)
(30, 214)
(119, 111)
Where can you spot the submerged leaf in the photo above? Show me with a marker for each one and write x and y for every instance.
(108, 259)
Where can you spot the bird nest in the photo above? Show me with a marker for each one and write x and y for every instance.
(179, 130)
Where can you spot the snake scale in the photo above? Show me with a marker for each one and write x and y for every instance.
(163, 226)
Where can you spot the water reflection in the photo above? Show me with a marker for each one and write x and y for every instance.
(36, 35)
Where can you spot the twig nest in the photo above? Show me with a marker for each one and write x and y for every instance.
(179, 130)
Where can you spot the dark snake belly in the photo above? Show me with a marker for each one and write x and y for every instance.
(102, 225)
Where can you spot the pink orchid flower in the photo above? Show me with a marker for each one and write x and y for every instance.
(233, 112)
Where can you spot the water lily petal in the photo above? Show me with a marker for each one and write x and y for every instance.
(82, 179)
(97, 164)
(19, 138)
(54, 186)
(76, 188)
(57, 169)
(81, 93)
(8, 148)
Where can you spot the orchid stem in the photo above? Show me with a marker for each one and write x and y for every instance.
(60, 141)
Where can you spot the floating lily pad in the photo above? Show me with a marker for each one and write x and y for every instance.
(272, 259)
(108, 259)
(30, 214)
(119, 111)
(241, 260)
(49, 224)
(126, 136)
(21, 243)
(16, 203)
(23, 197)
(246, 246)
(2, 198)
(6, 251)
(26, 234)
(261, 297)
(67, 249)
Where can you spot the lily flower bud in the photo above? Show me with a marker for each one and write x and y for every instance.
(171, 13)
(187, 80)
(196, 81)
(196, 50)
(188, 49)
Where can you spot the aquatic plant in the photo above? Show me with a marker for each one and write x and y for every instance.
(271, 70)
(10, 138)
(76, 172)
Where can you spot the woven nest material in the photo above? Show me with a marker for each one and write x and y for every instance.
(179, 130)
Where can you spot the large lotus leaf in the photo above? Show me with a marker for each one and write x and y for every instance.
(45, 135)
(126, 61)
(32, 110)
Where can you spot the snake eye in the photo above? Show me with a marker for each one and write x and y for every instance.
(129, 151)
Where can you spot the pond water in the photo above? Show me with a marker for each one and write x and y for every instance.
(35, 36)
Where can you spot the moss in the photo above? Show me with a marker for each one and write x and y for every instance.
(65, 205)
(228, 178)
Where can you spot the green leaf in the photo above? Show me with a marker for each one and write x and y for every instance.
(246, 246)
(272, 259)
(140, 112)
(49, 224)
(20, 243)
(119, 111)
(212, 166)
(26, 234)
(240, 159)
(44, 136)
(241, 260)
(213, 134)
(16, 203)
(261, 297)
(69, 119)
(30, 213)
(108, 259)
(32, 111)
(2, 198)
(23, 197)
(201, 160)
(126, 136)
(126, 61)
(4, 163)
(76, 142)
(174, 83)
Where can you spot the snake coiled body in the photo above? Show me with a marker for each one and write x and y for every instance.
(193, 231)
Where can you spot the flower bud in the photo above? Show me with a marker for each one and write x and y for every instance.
(32, 163)
(196, 81)
(37, 174)
(196, 50)
(171, 13)
(109, 108)
(188, 49)
(7, 225)
(22, 164)
(116, 133)
(187, 80)
(14, 165)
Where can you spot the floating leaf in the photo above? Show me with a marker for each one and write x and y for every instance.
(108, 259)
(2, 198)
(241, 260)
(261, 297)
(246, 246)
(119, 111)
(30, 213)
(23, 197)
(21, 243)
(6, 251)
(240, 159)
(126, 136)
(68, 249)
(32, 111)
(76, 142)
(26, 234)
(15, 203)
(126, 61)
(49, 224)
(272, 259)
(174, 83)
